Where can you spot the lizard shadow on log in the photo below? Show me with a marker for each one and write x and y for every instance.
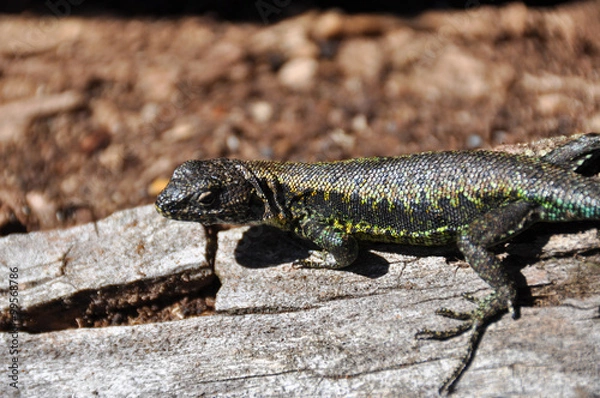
(265, 246)
(526, 249)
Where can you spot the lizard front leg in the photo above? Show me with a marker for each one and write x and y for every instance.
(491, 228)
(340, 249)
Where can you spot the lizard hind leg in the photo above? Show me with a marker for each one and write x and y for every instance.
(474, 241)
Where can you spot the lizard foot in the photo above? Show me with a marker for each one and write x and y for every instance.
(474, 321)
(317, 259)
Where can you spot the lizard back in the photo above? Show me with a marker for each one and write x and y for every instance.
(421, 199)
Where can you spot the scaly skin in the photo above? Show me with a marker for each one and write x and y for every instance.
(474, 199)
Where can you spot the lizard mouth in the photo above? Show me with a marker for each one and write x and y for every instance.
(171, 206)
(173, 213)
(161, 210)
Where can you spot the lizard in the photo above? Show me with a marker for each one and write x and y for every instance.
(473, 199)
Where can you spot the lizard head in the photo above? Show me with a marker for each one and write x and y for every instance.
(210, 192)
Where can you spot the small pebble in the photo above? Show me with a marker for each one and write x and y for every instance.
(157, 186)
(298, 73)
(474, 141)
(261, 111)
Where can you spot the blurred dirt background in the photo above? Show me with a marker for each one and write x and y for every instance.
(97, 110)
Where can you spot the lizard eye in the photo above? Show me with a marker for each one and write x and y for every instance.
(205, 198)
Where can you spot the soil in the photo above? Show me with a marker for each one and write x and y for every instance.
(96, 112)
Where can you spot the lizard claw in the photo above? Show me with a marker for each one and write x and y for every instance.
(470, 297)
(316, 259)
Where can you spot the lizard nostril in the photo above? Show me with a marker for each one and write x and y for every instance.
(168, 198)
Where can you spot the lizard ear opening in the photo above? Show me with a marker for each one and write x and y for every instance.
(257, 207)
